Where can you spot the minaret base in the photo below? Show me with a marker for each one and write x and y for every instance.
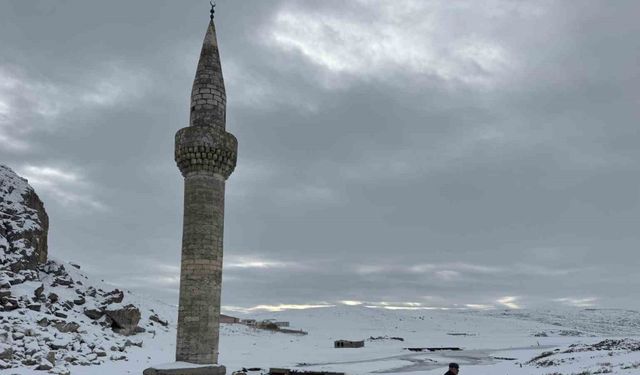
(184, 368)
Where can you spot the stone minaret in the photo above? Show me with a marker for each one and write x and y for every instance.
(206, 155)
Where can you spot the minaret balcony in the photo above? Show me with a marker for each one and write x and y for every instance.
(206, 149)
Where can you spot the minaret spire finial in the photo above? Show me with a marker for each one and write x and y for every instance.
(213, 9)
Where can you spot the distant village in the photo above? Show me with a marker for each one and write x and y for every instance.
(267, 324)
(283, 327)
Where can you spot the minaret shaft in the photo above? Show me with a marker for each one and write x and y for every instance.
(201, 269)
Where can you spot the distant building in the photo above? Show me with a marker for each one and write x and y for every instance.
(284, 371)
(226, 319)
(249, 322)
(293, 331)
(266, 324)
(348, 344)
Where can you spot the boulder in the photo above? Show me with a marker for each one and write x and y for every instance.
(38, 292)
(44, 366)
(53, 298)
(59, 370)
(51, 357)
(29, 362)
(44, 322)
(94, 313)
(66, 281)
(79, 301)
(10, 304)
(6, 353)
(55, 269)
(60, 343)
(137, 343)
(156, 318)
(125, 319)
(115, 296)
(4, 365)
(66, 327)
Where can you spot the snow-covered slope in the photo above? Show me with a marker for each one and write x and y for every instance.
(23, 224)
(492, 342)
(503, 342)
(587, 320)
(52, 316)
(62, 319)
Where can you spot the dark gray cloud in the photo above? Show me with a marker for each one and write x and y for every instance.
(409, 152)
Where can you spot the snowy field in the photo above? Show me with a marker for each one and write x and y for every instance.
(493, 342)
(558, 341)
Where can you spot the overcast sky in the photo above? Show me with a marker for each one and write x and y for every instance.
(407, 152)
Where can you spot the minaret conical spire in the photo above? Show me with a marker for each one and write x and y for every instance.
(208, 97)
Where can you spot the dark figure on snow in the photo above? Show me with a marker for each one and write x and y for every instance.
(453, 369)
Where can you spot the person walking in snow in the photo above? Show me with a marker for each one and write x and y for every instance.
(453, 369)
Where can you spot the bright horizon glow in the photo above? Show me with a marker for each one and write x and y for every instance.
(509, 301)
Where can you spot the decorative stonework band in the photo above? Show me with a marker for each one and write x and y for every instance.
(206, 149)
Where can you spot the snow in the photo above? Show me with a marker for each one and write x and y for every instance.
(492, 341)
(12, 190)
(60, 331)
(499, 342)
(12, 187)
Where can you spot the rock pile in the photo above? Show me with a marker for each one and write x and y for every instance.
(51, 315)
(54, 320)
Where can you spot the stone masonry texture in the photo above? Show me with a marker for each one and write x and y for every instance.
(207, 370)
(206, 155)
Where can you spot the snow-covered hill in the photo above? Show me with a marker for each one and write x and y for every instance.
(23, 224)
(503, 342)
(52, 316)
(490, 341)
(62, 319)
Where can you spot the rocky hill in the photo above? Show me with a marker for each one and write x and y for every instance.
(24, 224)
(52, 316)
